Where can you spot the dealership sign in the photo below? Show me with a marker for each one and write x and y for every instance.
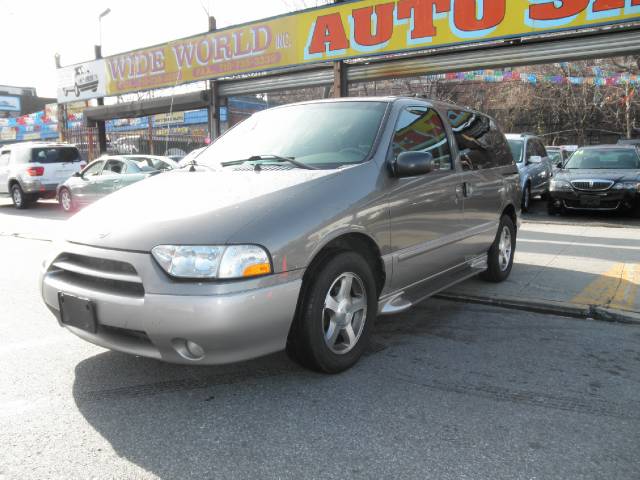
(9, 104)
(81, 82)
(352, 30)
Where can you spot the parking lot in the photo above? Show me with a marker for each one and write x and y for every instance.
(450, 389)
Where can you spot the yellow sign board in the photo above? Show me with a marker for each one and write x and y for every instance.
(353, 30)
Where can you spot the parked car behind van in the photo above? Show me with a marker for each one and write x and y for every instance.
(534, 166)
(603, 177)
(558, 155)
(107, 175)
(33, 170)
(294, 231)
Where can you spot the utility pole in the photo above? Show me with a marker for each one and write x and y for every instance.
(62, 110)
(340, 82)
(214, 120)
(102, 130)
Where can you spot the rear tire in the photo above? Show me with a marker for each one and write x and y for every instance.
(19, 198)
(335, 315)
(501, 253)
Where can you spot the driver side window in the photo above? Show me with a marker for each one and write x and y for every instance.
(93, 170)
(420, 129)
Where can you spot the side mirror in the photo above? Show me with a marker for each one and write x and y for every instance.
(413, 164)
(534, 159)
(77, 174)
(559, 165)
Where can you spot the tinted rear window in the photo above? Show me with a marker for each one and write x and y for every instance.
(55, 155)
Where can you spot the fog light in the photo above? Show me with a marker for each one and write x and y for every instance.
(194, 349)
(188, 349)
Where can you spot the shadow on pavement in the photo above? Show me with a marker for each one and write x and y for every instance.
(266, 415)
(539, 283)
(449, 382)
(49, 210)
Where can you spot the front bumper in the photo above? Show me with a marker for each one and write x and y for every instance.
(229, 321)
(608, 200)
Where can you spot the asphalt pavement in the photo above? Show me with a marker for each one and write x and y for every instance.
(447, 390)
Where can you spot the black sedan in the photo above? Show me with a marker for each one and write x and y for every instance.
(606, 177)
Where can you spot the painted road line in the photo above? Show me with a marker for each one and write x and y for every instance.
(603, 289)
(579, 244)
(626, 297)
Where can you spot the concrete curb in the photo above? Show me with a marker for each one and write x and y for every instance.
(565, 309)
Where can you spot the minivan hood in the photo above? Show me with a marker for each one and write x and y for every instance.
(598, 174)
(181, 207)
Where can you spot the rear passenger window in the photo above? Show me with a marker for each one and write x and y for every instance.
(421, 130)
(113, 167)
(55, 155)
(481, 143)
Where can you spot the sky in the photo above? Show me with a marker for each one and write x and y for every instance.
(33, 31)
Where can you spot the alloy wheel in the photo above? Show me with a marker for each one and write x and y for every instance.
(504, 249)
(344, 313)
(17, 196)
(65, 199)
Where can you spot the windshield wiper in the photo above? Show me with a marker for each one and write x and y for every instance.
(275, 158)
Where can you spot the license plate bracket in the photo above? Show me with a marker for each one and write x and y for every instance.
(589, 201)
(78, 312)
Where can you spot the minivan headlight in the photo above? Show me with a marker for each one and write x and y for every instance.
(211, 262)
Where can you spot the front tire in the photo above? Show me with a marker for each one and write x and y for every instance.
(526, 198)
(552, 209)
(336, 314)
(501, 253)
(66, 200)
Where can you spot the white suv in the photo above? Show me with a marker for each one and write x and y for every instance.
(29, 171)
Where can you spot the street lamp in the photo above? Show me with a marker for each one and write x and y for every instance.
(100, 17)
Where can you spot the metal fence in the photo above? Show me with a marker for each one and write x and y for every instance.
(156, 141)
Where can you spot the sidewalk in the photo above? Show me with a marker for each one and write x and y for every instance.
(580, 270)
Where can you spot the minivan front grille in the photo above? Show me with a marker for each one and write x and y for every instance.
(108, 276)
(592, 185)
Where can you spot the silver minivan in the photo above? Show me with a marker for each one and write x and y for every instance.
(292, 231)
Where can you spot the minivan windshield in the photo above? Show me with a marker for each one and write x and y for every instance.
(605, 158)
(516, 149)
(320, 135)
